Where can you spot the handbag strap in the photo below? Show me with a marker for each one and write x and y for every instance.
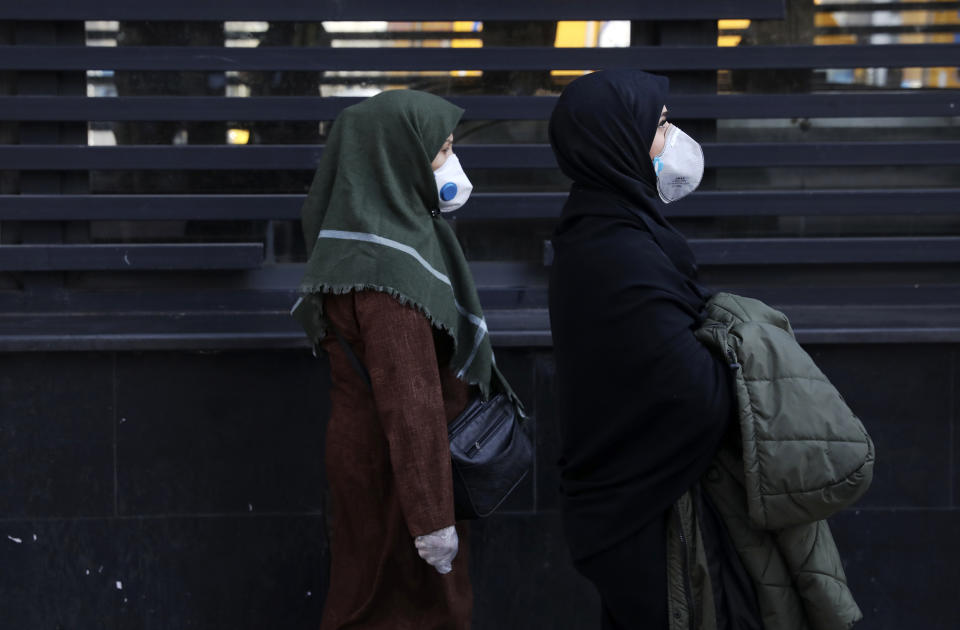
(351, 356)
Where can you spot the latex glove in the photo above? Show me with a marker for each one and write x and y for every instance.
(439, 548)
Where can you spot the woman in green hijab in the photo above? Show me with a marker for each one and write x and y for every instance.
(386, 271)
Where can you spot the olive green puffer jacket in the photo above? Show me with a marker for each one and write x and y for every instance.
(803, 456)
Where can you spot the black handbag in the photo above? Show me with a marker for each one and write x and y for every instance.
(490, 451)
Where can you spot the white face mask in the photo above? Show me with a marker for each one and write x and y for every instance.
(679, 166)
(453, 187)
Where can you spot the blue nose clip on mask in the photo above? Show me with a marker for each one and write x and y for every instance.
(453, 187)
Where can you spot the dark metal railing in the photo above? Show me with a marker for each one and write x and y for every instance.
(196, 289)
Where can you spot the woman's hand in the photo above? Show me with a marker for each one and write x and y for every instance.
(439, 548)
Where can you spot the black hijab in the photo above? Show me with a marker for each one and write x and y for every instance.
(601, 132)
(642, 403)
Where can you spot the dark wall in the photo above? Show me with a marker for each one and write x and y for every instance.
(185, 490)
(162, 490)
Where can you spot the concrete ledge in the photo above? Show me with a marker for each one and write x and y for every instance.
(232, 330)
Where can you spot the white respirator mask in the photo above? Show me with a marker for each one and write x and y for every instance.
(453, 187)
(679, 167)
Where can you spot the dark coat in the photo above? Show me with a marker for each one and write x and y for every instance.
(388, 463)
(643, 404)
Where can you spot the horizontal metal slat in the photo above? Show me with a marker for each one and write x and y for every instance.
(508, 327)
(482, 206)
(520, 291)
(106, 331)
(662, 58)
(184, 157)
(301, 108)
(149, 207)
(238, 207)
(254, 313)
(285, 108)
(409, 10)
(928, 201)
(306, 157)
(889, 29)
(829, 105)
(831, 154)
(151, 257)
(885, 6)
(826, 251)
(709, 252)
(524, 292)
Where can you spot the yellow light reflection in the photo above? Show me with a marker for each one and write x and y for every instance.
(575, 34)
(729, 40)
(238, 136)
(733, 25)
(463, 26)
(834, 40)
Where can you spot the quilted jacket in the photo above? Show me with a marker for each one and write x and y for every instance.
(801, 457)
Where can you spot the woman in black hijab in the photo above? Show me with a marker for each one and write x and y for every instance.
(643, 404)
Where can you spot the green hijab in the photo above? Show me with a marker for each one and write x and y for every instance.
(368, 224)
